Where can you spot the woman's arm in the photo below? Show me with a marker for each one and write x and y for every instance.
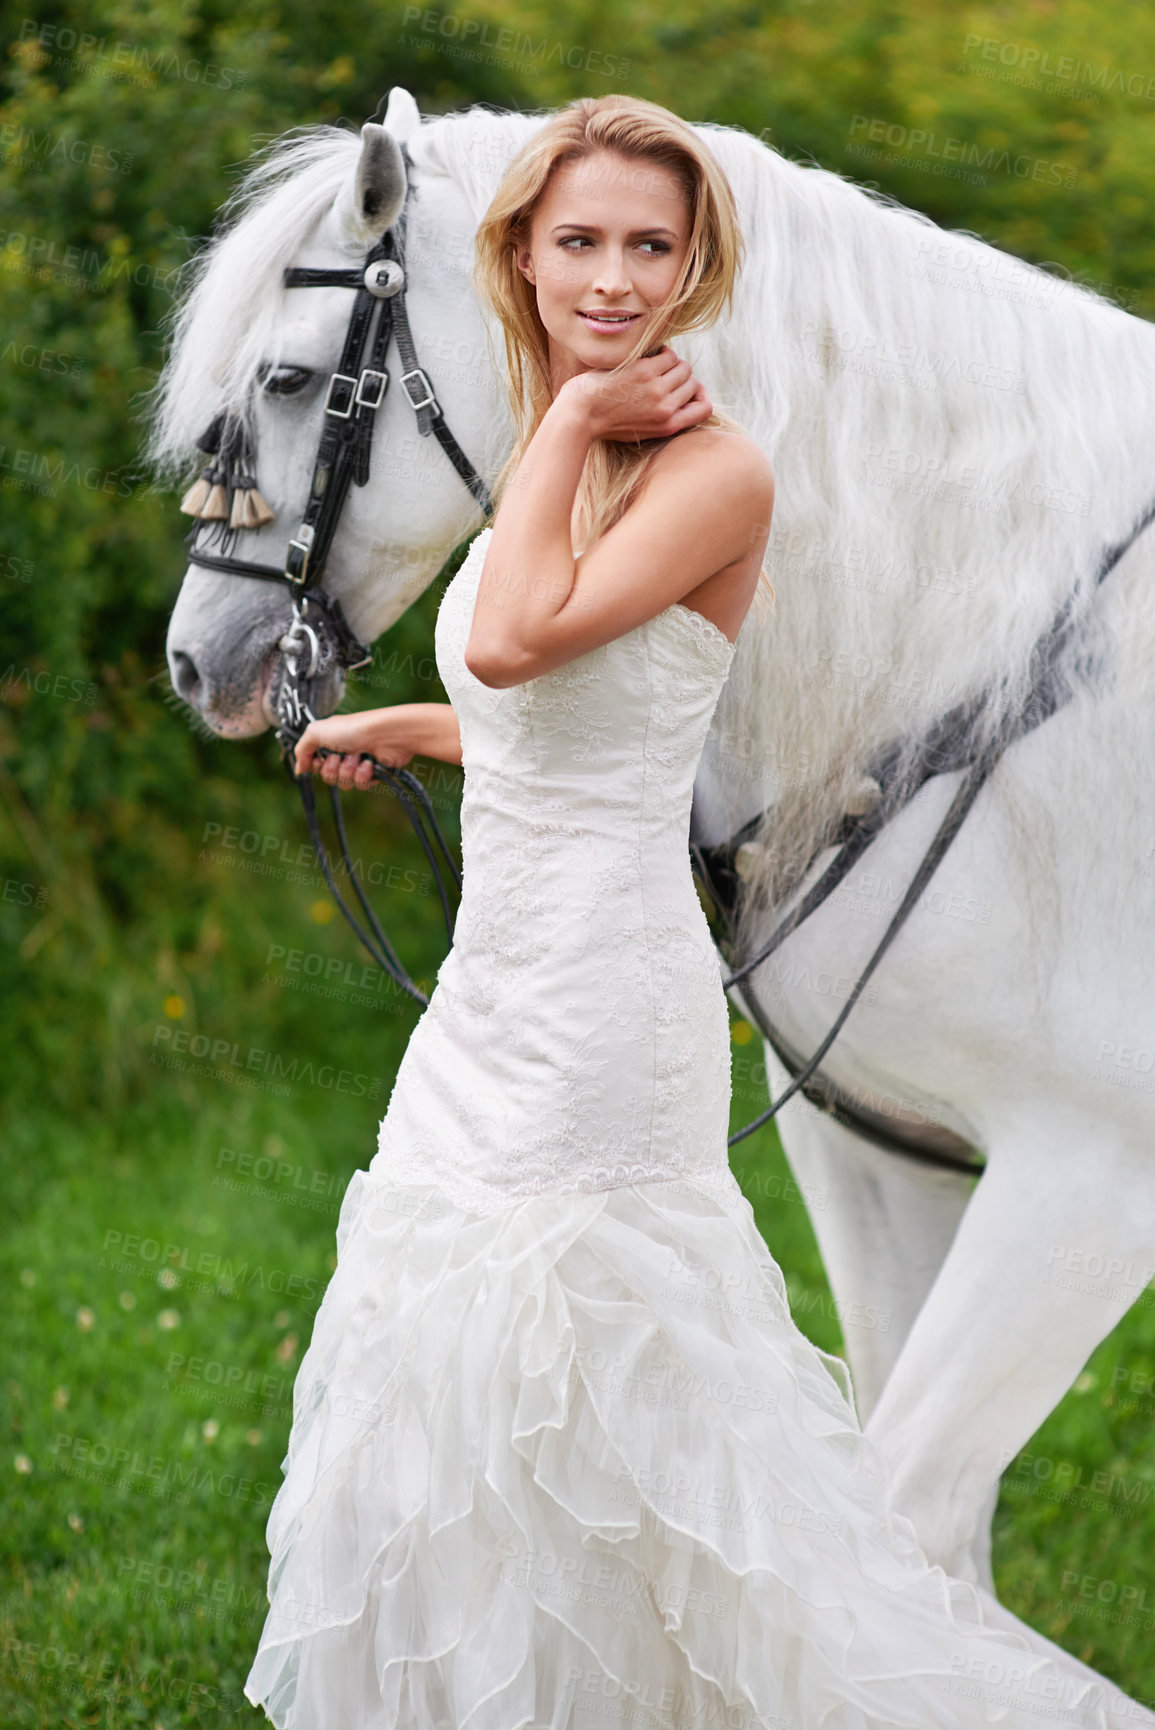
(529, 564)
(392, 735)
(704, 510)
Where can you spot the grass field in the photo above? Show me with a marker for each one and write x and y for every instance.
(161, 1274)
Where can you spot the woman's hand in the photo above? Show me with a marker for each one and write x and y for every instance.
(353, 740)
(653, 398)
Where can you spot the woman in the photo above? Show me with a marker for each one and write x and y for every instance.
(558, 1451)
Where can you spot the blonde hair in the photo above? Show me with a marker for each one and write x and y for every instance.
(636, 130)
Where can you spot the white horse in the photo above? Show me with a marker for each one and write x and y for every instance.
(956, 436)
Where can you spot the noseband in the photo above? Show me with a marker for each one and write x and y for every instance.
(319, 639)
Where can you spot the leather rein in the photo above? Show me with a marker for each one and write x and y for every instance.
(953, 743)
(319, 639)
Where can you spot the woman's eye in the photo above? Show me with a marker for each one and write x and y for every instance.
(661, 245)
(285, 380)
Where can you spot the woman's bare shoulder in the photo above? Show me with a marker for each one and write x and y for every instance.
(724, 446)
(726, 462)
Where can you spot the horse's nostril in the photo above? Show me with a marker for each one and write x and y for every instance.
(186, 680)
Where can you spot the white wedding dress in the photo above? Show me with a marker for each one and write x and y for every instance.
(559, 1456)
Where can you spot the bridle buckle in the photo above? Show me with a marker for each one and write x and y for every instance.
(429, 400)
(297, 556)
(320, 640)
(351, 384)
(363, 399)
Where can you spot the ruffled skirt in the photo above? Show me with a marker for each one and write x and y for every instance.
(571, 1464)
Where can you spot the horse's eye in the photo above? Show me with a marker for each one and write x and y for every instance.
(285, 380)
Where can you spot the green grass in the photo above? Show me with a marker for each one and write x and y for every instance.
(160, 1277)
(156, 1320)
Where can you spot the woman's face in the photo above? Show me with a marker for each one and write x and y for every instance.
(609, 235)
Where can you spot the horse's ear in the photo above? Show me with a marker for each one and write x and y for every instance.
(375, 200)
(402, 117)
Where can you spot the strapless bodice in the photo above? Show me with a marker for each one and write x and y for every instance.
(578, 1033)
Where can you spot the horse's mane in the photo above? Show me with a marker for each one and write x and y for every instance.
(1003, 405)
(953, 434)
(230, 308)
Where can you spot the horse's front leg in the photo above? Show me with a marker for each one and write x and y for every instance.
(884, 1224)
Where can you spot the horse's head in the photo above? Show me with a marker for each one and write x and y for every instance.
(261, 354)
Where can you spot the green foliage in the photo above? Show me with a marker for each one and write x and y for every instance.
(118, 155)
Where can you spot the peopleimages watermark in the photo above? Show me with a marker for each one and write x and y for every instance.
(79, 267)
(865, 566)
(148, 1581)
(1131, 1391)
(591, 1693)
(956, 261)
(37, 472)
(16, 570)
(153, 1474)
(825, 345)
(101, 1675)
(477, 39)
(39, 359)
(950, 155)
(226, 1060)
(335, 980)
(273, 855)
(1034, 65)
(235, 1385)
(121, 62)
(970, 484)
(21, 894)
(1073, 1267)
(310, 1186)
(1077, 1484)
(183, 1265)
(17, 684)
(23, 145)
(1117, 1601)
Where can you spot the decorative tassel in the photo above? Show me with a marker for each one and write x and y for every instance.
(196, 498)
(217, 507)
(250, 510)
(226, 492)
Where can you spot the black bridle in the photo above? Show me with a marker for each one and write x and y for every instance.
(319, 640)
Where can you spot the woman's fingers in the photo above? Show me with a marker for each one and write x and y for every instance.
(333, 749)
(344, 772)
(303, 754)
(684, 392)
(660, 399)
(680, 391)
(697, 407)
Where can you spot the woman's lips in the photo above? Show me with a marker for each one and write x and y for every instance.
(605, 324)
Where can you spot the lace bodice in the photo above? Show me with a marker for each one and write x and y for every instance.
(577, 1037)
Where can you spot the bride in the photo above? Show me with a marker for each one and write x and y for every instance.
(559, 1454)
